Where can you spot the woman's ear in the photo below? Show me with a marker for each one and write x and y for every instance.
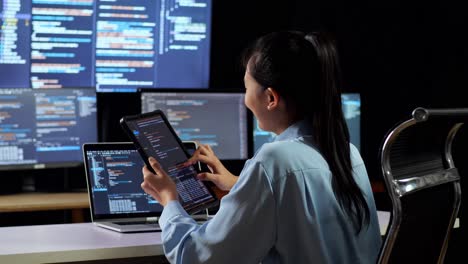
(273, 98)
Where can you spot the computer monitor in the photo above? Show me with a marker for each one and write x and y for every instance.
(351, 105)
(217, 118)
(113, 45)
(45, 128)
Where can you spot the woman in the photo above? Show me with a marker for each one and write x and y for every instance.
(304, 198)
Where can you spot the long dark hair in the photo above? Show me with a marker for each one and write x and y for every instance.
(304, 70)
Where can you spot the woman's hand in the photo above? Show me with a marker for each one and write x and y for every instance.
(160, 186)
(219, 175)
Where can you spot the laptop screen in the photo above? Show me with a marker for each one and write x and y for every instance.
(114, 177)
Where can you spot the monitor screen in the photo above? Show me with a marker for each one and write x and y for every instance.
(217, 118)
(351, 104)
(113, 45)
(45, 128)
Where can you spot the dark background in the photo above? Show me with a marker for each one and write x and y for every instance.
(397, 54)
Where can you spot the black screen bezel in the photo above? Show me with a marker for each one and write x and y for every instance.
(158, 113)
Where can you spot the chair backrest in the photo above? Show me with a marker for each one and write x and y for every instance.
(423, 184)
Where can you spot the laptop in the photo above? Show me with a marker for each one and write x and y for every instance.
(113, 179)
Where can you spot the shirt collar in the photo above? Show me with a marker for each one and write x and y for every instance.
(298, 129)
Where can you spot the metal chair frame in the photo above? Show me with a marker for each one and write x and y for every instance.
(399, 187)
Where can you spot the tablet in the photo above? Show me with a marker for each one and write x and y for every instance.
(154, 136)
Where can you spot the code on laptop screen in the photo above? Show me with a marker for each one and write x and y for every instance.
(115, 178)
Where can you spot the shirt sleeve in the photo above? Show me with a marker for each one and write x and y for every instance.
(242, 231)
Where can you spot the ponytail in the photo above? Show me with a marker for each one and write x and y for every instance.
(331, 132)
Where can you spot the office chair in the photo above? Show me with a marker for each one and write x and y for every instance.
(423, 184)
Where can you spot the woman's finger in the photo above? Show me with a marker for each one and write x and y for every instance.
(149, 190)
(153, 180)
(206, 176)
(206, 150)
(145, 170)
(207, 160)
(192, 160)
(196, 156)
(156, 166)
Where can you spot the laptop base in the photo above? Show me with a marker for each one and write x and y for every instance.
(129, 228)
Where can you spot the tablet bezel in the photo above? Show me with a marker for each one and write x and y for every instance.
(158, 113)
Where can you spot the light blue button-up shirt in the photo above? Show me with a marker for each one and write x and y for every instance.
(281, 210)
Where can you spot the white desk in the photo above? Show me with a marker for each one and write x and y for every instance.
(84, 242)
(73, 242)
(384, 219)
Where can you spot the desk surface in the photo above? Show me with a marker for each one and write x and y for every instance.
(384, 219)
(82, 242)
(73, 242)
(43, 201)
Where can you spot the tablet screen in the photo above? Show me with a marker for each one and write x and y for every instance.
(157, 139)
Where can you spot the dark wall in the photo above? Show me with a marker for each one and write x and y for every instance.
(398, 54)
(111, 108)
